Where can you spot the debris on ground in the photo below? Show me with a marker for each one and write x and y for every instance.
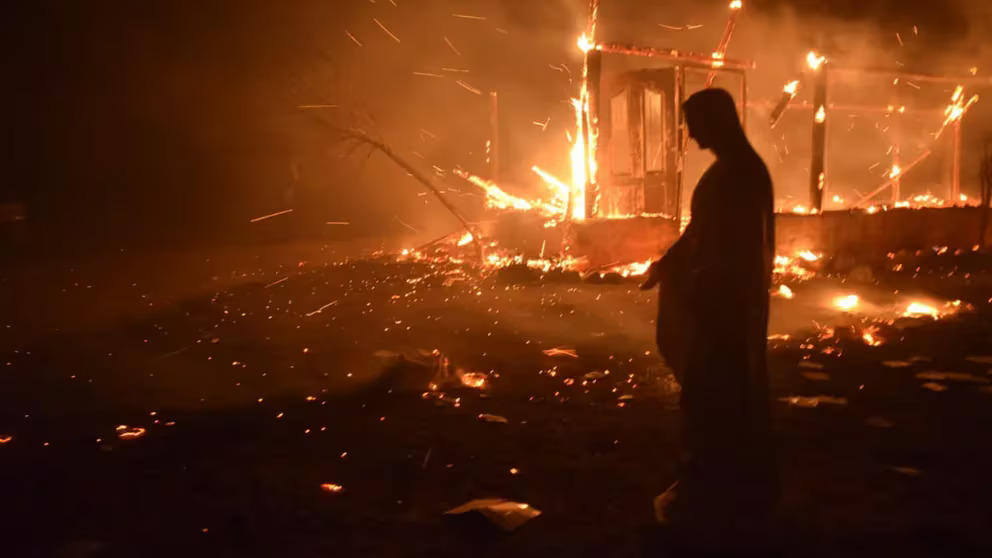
(505, 514)
(980, 359)
(813, 401)
(952, 377)
(816, 376)
(810, 365)
(896, 364)
(493, 418)
(934, 386)
(879, 422)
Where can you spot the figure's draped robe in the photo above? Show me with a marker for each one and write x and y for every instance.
(712, 331)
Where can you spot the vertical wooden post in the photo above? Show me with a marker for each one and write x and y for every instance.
(494, 137)
(956, 165)
(743, 93)
(818, 163)
(681, 140)
(594, 67)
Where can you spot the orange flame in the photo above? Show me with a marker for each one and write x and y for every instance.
(814, 60)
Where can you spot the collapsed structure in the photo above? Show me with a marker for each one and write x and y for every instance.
(625, 202)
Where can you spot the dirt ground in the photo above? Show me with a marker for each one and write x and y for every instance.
(259, 379)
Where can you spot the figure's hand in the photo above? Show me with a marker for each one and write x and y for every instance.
(653, 277)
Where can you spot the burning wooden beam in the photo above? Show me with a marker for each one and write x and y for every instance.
(788, 94)
(675, 55)
(818, 164)
(728, 33)
(906, 76)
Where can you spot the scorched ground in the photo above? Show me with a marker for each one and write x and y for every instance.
(263, 404)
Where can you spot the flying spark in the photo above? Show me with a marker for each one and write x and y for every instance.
(352, 37)
(388, 32)
(452, 47)
(264, 217)
(468, 87)
(322, 308)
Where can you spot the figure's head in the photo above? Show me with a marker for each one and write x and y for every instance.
(711, 115)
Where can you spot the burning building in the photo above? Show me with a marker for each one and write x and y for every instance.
(632, 170)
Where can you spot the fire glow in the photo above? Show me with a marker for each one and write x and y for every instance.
(846, 303)
(916, 309)
(814, 60)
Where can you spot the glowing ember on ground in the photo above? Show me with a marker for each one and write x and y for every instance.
(561, 352)
(632, 270)
(846, 303)
(794, 266)
(466, 239)
(474, 379)
(124, 432)
(870, 337)
(785, 292)
(5, 439)
(331, 487)
(920, 309)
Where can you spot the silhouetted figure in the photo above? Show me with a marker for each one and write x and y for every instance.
(712, 330)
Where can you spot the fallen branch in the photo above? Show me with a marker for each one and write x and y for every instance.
(362, 137)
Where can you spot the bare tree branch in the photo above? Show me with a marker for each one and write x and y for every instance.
(364, 138)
